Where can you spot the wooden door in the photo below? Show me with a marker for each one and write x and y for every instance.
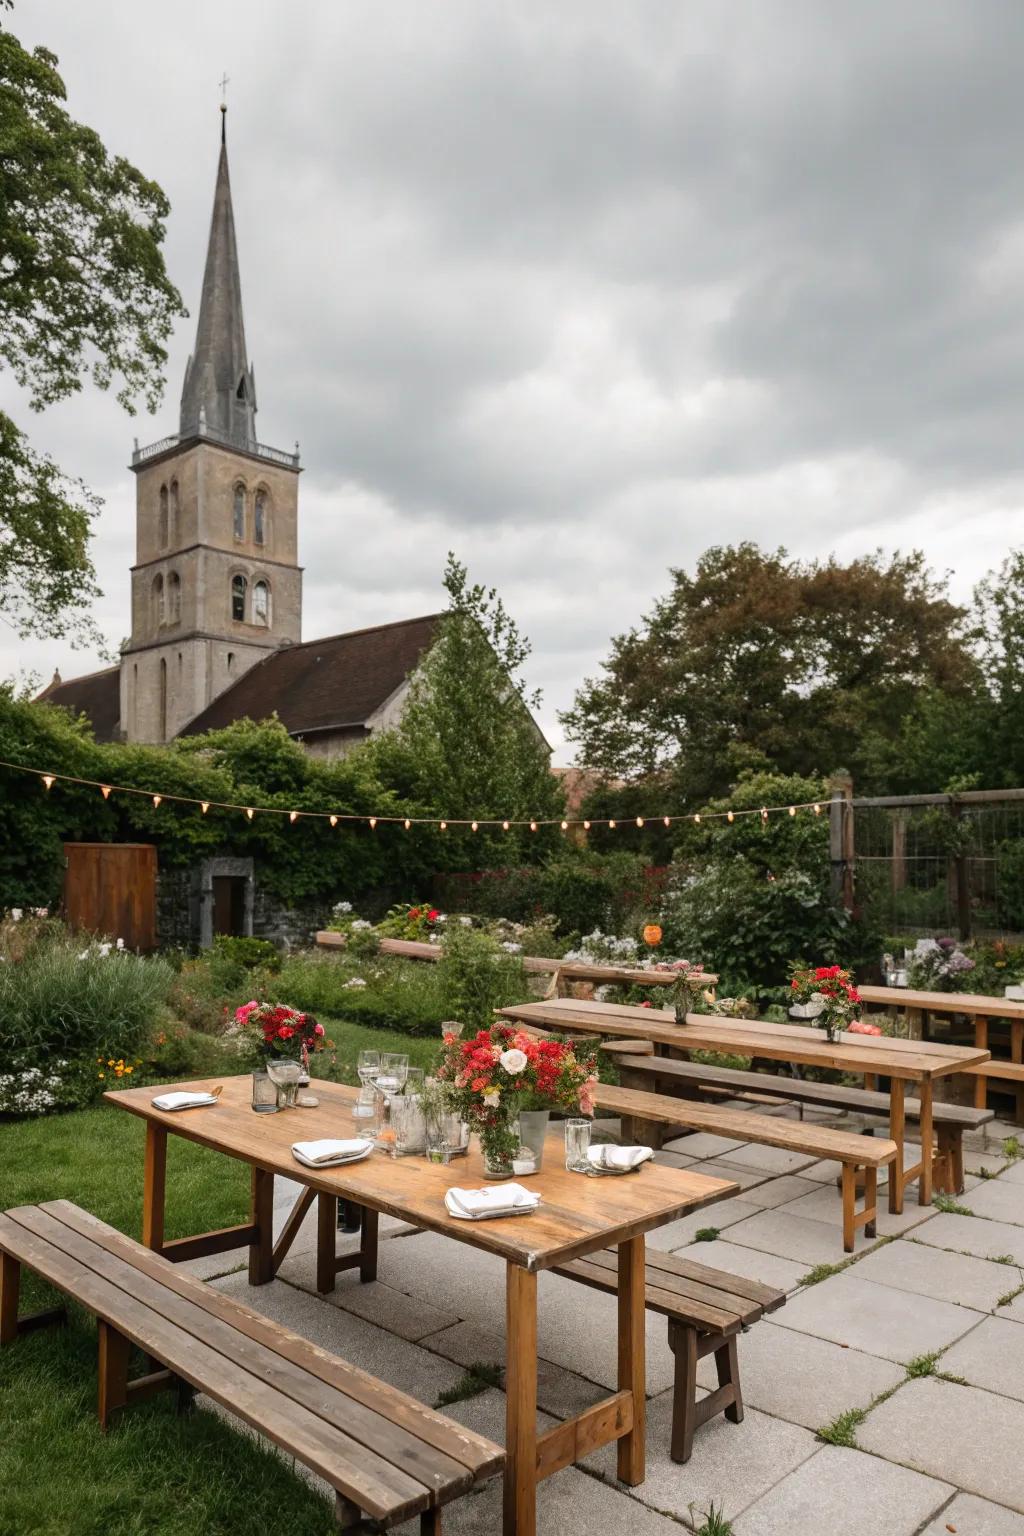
(229, 904)
(110, 890)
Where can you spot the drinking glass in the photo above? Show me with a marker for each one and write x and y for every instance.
(414, 1080)
(368, 1067)
(285, 1074)
(451, 1027)
(577, 1142)
(393, 1069)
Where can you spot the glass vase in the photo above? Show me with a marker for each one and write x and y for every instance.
(498, 1142)
(264, 1092)
(533, 1129)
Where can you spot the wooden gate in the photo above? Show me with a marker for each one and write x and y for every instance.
(110, 889)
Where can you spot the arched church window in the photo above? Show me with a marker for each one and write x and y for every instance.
(261, 603)
(174, 598)
(159, 616)
(163, 699)
(172, 518)
(239, 512)
(238, 585)
(163, 517)
(260, 518)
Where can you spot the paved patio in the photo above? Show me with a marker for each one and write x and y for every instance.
(913, 1353)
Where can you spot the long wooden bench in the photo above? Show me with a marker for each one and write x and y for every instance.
(387, 1456)
(645, 1114)
(706, 1310)
(950, 1120)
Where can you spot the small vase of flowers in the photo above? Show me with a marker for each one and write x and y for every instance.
(502, 1073)
(279, 1032)
(825, 994)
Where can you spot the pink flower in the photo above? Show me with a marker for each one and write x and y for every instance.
(587, 1096)
(318, 1029)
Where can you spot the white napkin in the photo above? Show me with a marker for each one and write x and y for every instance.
(604, 1155)
(182, 1100)
(499, 1200)
(326, 1151)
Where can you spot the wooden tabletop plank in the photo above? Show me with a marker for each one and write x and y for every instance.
(914, 1060)
(971, 1003)
(577, 1214)
(380, 1489)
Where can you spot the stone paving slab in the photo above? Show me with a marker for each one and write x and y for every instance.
(843, 1490)
(746, 1178)
(389, 1308)
(772, 1159)
(1015, 1311)
(970, 1437)
(824, 1203)
(997, 1198)
(721, 1216)
(750, 1262)
(990, 1356)
(732, 1464)
(978, 1158)
(953, 1277)
(803, 1379)
(791, 1237)
(674, 1159)
(875, 1318)
(559, 1392)
(781, 1191)
(971, 1516)
(702, 1144)
(393, 1360)
(983, 1238)
(1014, 1173)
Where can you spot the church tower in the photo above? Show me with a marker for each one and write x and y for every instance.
(216, 584)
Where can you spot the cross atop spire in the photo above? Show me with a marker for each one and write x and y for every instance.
(220, 387)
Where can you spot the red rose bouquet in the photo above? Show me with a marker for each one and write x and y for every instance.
(828, 995)
(501, 1071)
(278, 1030)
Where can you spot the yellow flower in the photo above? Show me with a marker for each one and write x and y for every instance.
(129, 1069)
(110, 1063)
(101, 1074)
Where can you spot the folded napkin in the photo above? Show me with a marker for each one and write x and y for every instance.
(182, 1100)
(499, 1200)
(604, 1155)
(327, 1150)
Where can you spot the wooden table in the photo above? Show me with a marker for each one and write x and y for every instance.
(578, 1216)
(564, 970)
(902, 1061)
(973, 1005)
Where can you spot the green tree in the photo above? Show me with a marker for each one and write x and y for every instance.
(758, 661)
(83, 294)
(467, 745)
(999, 605)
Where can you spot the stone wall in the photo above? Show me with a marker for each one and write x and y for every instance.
(178, 920)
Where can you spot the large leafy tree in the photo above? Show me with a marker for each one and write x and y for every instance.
(760, 661)
(467, 745)
(84, 294)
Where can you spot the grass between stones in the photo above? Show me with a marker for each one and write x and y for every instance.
(706, 1234)
(715, 1523)
(842, 1430)
(949, 1206)
(476, 1379)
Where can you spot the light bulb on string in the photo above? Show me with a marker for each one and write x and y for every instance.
(533, 826)
(639, 821)
(611, 826)
(792, 810)
(443, 825)
(408, 823)
(249, 813)
(156, 800)
(474, 826)
(764, 813)
(730, 816)
(565, 826)
(333, 820)
(373, 823)
(504, 826)
(667, 820)
(586, 826)
(817, 809)
(696, 819)
(48, 780)
(105, 791)
(293, 817)
(204, 806)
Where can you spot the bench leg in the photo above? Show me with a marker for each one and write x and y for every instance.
(870, 1201)
(10, 1286)
(430, 1522)
(727, 1362)
(683, 1343)
(113, 1372)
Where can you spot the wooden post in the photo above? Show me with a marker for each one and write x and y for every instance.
(261, 1252)
(154, 1183)
(959, 876)
(632, 1356)
(841, 837)
(897, 1129)
(520, 1492)
(899, 850)
(114, 1350)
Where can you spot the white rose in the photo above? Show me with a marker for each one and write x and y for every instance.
(492, 1098)
(514, 1061)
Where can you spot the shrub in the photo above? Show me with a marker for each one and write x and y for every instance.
(476, 975)
(247, 953)
(67, 997)
(402, 995)
(582, 890)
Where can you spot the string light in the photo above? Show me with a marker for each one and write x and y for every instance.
(156, 800)
(697, 819)
(586, 826)
(293, 817)
(48, 780)
(611, 826)
(443, 825)
(639, 821)
(249, 812)
(205, 804)
(667, 820)
(504, 826)
(408, 823)
(533, 826)
(764, 813)
(730, 816)
(565, 826)
(792, 810)
(817, 809)
(105, 791)
(474, 826)
(333, 820)
(373, 823)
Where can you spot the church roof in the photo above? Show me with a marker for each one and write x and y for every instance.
(220, 388)
(332, 684)
(96, 695)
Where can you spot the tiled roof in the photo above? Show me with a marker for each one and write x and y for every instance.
(96, 695)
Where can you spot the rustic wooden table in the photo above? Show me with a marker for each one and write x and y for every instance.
(578, 1216)
(871, 1056)
(981, 1010)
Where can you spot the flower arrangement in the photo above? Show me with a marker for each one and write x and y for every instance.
(418, 921)
(499, 1072)
(937, 965)
(827, 994)
(278, 1030)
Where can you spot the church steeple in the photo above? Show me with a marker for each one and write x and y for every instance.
(219, 394)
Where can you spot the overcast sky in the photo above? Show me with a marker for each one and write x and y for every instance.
(578, 289)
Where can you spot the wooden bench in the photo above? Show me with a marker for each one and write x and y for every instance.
(387, 1456)
(950, 1120)
(706, 1310)
(644, 1114)
(1010, 1072)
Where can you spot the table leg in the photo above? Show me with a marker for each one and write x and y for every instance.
(521, 1403)
(154, 1186)
(1017, 1056)
(326, 1237)
(368, 1245)
(632, 1356)
(261, 1250)
(981, 1082)
(897, 1126)
(924, 1183)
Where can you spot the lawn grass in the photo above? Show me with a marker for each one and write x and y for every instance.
(153, 1472)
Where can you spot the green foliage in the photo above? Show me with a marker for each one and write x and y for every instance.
(476, 975)
(467, 744)
(405, 996)
(84, 293)
(921, 1365)
(843, 1428)
(247, 953)
(715, 1523)
(581, 889)
(706, 1234)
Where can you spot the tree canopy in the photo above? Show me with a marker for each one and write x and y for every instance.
(84, 294)
(759, 661)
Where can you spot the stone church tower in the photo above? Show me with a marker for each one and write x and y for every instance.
(216, 585)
